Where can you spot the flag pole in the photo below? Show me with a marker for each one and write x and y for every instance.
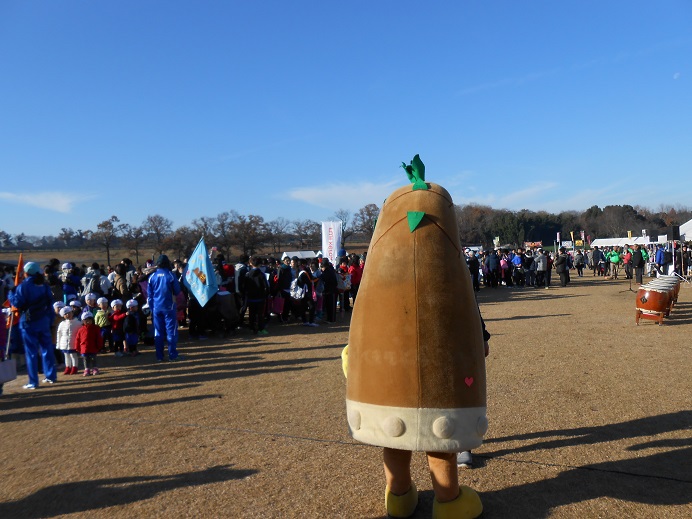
(20, 267)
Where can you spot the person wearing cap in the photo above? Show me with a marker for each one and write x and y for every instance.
(131, 327)
(34, 301)
(102, 320)
(163, 287)
(71, 282)
(117, 319)
(90, 302)
(76, 308)
(561, 267)
(65, 340)
(88, 343)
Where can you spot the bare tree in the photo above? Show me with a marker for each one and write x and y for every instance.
(306, 232)
(251, 232)
(224, 229)
(159, 228)
(66, 236)
(278, 232)
(364, 220)
(182, 241)
(346, 225)
(106, 233)
(204, 227)
(133, 238)
(5, 240)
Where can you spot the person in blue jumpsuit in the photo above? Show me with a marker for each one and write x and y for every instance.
(34, 300)
(163, 287)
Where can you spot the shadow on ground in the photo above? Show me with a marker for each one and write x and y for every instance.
(83, 496)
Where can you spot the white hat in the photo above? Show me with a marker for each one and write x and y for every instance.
(87, 315)
(76, 303)
(66, 266)
(131, 303)
(102, 300)
(116, 302)
(65, 310)
(58, 304)
(90, 297)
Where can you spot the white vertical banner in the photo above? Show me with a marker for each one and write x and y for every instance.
(331, 240)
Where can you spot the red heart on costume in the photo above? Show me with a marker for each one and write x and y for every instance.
(469, 381)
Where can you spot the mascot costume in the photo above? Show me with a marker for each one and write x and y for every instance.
(415, 364)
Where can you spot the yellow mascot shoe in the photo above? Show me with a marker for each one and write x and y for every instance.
(401, 506)
(467, 506)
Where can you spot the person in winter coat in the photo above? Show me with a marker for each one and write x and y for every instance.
(65, 342)
(638, 262)
(256, 292)
(34, 300)
(474, 268)
(88, 343)
(306, 305)
(329, 293)
(561, 267)
(163, 287)
(541, 268)
(613, 258)
(492, 264)
(579, 263)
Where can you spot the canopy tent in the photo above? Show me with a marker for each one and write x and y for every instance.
(686, 231)
(299, 254)
(620, 242)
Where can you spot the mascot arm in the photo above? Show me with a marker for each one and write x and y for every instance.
(344, 361)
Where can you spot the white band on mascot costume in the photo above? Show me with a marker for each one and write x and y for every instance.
(415, 361)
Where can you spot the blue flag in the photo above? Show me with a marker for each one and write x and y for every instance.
(199, 277)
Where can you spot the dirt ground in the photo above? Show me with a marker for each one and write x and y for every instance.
(590, 416)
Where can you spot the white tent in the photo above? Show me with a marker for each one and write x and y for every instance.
(300, 254)
(686, 231)
(612, 242)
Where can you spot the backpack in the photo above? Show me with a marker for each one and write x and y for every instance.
(343, 281)
(667, 257)
(94, 286)
(297, 292)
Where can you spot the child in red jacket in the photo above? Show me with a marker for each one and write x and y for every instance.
(88, 343)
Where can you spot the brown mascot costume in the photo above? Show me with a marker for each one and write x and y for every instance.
(415, 363)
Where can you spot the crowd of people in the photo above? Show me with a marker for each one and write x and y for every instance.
(62, 312)
(75, 312)
(533, 267)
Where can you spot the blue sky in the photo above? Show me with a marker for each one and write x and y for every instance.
(297, 109)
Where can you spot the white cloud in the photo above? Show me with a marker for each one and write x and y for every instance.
(54, 201)
(532, 197)
(352, 196)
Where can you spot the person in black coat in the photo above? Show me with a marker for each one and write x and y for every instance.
(329, 294)
(638, 264)
(474, 267)
(562, 267)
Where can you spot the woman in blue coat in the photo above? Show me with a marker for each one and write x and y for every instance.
(34, 300)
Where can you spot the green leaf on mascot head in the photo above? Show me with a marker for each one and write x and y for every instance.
(414, 219)
(416, 173)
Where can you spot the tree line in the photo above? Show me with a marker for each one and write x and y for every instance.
(233, 233)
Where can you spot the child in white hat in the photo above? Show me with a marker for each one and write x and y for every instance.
(88, 343)
(102, 320)
(65, 341)
(131, 327)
